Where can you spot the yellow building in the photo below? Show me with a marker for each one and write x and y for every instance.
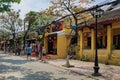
(108, 38)
(55, 43)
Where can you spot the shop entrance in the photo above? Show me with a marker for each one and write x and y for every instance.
(52, 44)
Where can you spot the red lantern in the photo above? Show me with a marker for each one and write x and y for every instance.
(99, 33)
(86, 34)
(49, 38)
(60, 28)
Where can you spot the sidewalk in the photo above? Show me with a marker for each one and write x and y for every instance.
(109, 72)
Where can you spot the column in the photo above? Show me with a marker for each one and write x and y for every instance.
(109, 39)
(50, 28)
(81, 43)
(92, 43)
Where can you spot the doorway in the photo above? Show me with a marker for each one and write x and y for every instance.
(52, 44)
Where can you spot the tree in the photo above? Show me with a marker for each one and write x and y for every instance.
(11, 22)
(36, 22)
(4, 36)
(6, 4)
(66, 7)
(70, 7)
(31, 19)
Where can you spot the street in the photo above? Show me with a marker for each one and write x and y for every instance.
(18, 68)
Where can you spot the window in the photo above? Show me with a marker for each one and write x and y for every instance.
(89, 42)
(102, 42)
(116, 41)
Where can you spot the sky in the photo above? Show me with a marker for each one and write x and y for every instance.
(31, 5)
(35, 5)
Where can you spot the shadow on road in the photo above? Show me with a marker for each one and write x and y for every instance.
(11, 66)
(42, 75)
(5, 68)
(13, 61)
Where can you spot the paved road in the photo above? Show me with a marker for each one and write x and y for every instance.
(18, 68)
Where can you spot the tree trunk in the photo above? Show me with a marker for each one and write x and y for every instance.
(67, 62)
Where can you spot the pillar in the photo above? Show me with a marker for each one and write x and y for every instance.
(46, 44)
(81, 43)
(92, 43)
(109, 39)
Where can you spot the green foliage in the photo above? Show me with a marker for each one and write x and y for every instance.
(6, 4)
(31, 18)
(4, 34)
(10, 20)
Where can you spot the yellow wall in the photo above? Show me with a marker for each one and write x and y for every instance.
(61, 47)
(103, 53)
(115, 57)
(116, 25)
(88, 54)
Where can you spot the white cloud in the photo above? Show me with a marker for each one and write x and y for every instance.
(31, 5)
(36, 5)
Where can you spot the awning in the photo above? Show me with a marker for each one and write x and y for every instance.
(59, 33)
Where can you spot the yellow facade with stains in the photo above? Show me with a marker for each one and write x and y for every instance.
(106, 55)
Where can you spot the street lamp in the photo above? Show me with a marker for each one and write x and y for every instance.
(96, 14)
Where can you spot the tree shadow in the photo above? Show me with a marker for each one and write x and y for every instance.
(14, 61)
(5, 68)
(35, 76)
(29, 74)
(42, 75)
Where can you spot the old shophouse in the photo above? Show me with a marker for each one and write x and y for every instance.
(108, 36)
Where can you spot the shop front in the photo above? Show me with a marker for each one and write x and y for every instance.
(108, 36)
(55, 44)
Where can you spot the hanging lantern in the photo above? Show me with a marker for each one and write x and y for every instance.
(86, 34)
(99, 33)
(55, 38)
(60, 28)
(46, 34)
(40, 36)
(49, 38)
(74, 26)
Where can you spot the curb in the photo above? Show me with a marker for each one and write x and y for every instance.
(73, 71)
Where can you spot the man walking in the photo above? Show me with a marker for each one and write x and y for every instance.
(28, 52)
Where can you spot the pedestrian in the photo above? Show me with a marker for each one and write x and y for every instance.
(43, 53)
(36, 51)
(28, 52)
(19, 50)
(40, 51)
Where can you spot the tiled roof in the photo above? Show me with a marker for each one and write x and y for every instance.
(111, 15)
(107, 17)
